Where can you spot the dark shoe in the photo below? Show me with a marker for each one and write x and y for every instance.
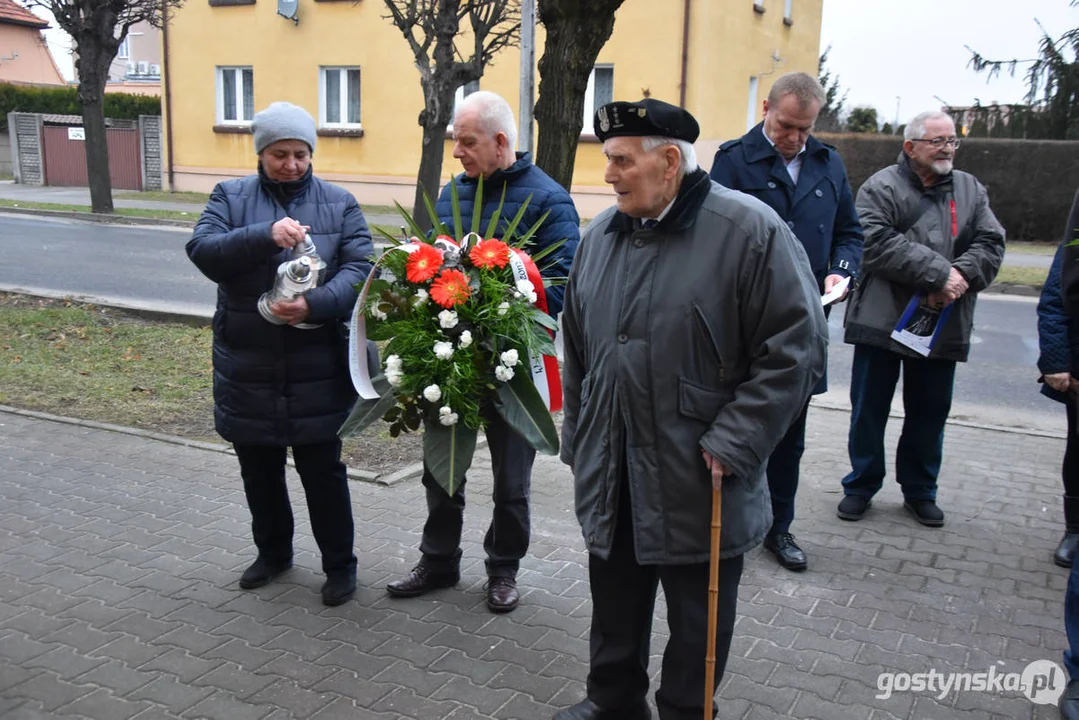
(502, 595)
(1066, 549)
(338, 589)
(926, 512)
(853, 507)
(786, 551)
(421, 581)
(588, 710)
(1069, 701)
(262, 572)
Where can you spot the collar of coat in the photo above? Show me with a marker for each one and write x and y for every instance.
(507, 175)
(941, 187)
(683, 214)
(758, 148)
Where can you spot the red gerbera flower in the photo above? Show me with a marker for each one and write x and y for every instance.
(423, 264)
(451, 288)
(490, 253)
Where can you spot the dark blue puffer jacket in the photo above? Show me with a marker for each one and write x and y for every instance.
(521, 180)
(1058, 344)
(276, 384)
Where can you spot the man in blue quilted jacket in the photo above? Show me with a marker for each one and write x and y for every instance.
(485, 134)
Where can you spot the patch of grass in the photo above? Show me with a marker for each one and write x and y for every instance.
(1015, 275)
(156, 196)
(6, 176)
(125, 212)
(1033, 248)
(102, 364)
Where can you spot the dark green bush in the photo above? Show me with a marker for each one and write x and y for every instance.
(65, 101)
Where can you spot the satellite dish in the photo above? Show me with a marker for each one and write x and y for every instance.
(288, 9)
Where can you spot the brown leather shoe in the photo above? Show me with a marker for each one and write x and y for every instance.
(502, 595)
(420, 581)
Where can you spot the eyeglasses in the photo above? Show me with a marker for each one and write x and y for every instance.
(939, 142)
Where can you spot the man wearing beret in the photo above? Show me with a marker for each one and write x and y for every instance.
(693, 335)
(805, 182)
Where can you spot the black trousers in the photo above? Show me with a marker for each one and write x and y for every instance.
(329, 505)
(783, 468)
(623, 603)
(508, 535)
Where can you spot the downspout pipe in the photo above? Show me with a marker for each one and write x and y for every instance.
(166, 65)
(685, 54)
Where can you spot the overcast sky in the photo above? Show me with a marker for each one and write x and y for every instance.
(913, 49)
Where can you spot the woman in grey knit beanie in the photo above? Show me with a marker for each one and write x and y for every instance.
(275, 385)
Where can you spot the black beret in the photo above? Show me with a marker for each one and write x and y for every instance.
(646, 117)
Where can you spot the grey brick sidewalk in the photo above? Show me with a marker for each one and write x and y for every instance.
(119, 557)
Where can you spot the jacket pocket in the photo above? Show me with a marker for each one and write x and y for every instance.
(707, 339)
(701, 403)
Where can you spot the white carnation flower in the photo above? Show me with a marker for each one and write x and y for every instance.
(394, 377)
(432, 393)
(447, 319)
(443, 350)
(503, 307)
(503, 373)
(465, 340)
(525, 286)
(420, 297)
(510, 358)
(393, 363)
(374, 312)
(446, 416)
(531, 297)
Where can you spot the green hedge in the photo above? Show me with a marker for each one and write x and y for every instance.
(65, 101)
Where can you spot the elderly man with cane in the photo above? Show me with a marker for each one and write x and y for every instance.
(693, 335)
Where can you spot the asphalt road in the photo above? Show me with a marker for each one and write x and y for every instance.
(145, 266)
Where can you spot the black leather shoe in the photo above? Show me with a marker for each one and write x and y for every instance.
(926, 512)
(588, 710)
(853, 507)
(338, 589)
(1069, 701)
(420, 581)
(1066, 549)
(786, 551)
(262, 572)
(502, 595)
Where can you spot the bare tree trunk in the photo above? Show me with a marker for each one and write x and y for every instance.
(97, 157)
(575, 35)
(430, 173)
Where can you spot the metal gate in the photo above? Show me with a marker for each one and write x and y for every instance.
(65, 157)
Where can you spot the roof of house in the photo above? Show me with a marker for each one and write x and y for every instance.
(12, 14)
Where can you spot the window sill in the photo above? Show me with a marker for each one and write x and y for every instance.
(222, 3)
(356, 132)
(233, 129)
(788, 22)
(758, 8)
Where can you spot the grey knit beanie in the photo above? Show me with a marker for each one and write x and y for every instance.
(283, 121)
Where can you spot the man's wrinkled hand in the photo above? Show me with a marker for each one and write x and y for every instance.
(830, 281)
(286, 232)
(938, 300)
(716, 468)
(956, 285)
(291, 311)
(1060, 382)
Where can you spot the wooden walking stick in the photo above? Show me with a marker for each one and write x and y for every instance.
(713, 604)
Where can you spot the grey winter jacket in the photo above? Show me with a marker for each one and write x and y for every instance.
(912, 241)
(705, 332)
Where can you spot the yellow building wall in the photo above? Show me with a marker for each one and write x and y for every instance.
(728, 42)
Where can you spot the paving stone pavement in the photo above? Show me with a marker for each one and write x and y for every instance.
(119, 557)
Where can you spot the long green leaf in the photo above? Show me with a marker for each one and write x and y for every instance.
(507, 237)
(447, 452)
(540, 254)
(477, 206)
(532, 230)
(412, 226)
(436, 222)
(455, 201)
(521, 406)
(395, 241)
(493, 225)
(367, 412)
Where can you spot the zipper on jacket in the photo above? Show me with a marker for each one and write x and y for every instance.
(703, 324)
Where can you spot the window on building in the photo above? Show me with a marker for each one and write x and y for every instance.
(751, 110)
(235, 95)
(339, 97)
(124, 51)
(599, 92)
(788, 9)
(463, 91)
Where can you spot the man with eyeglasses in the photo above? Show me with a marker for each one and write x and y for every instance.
(931, 245)
(780, 163)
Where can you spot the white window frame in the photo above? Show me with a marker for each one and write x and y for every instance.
(590, 98)
(233, 73)
(458, 97)
(751, 109)
(123, 52)
(343, 71)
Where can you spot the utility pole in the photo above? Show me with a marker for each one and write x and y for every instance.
(897, 99)
(528, 74)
